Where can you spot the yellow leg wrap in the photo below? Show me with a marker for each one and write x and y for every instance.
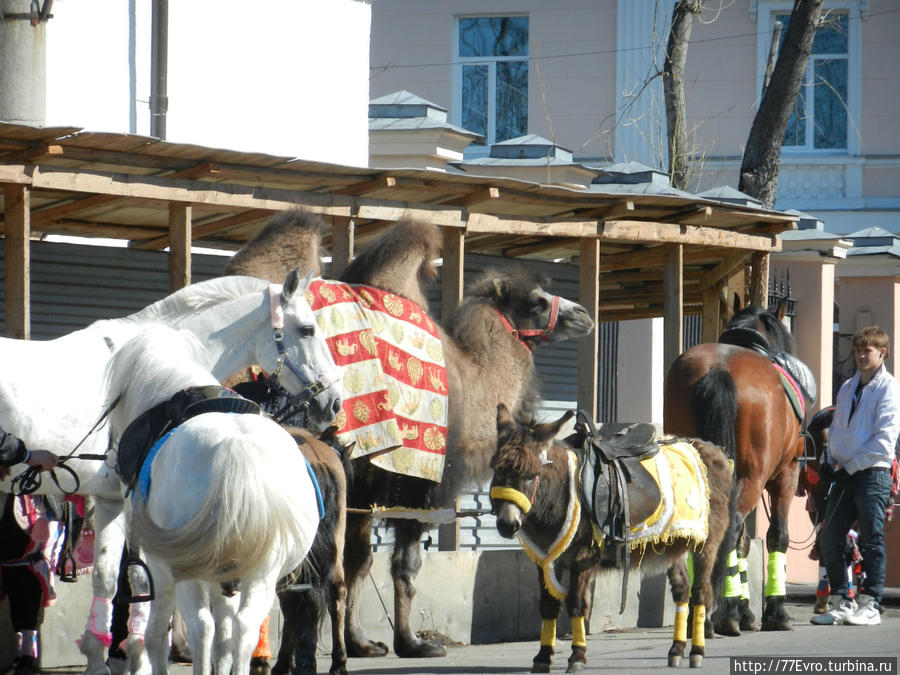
(262, 650)
(745, 583)
(548, 633)
(776, 573)
(578, 636)
(681, 617)
(689, 561)
(698, 629)
(732, 576)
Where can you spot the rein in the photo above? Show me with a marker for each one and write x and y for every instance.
(543, 333)
(310, 390)
(29, 481)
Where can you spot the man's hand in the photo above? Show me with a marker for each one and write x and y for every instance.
(43, 459)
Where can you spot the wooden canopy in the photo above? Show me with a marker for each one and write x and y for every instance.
(641, 255)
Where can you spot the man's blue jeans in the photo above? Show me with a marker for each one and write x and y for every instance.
(860, 498)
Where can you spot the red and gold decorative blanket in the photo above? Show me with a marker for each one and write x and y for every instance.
(394, 375)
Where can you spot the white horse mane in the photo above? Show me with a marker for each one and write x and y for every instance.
(152, 366)
(199, 296)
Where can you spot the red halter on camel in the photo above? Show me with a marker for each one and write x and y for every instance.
(543, 333)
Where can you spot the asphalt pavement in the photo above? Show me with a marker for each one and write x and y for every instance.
(636, 651)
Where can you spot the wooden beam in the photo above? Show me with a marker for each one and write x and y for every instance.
(68, 208)
(759, 280)
(728, 264)
(588, 349)
(711, 318)
(672, 233)
(548, 245)
(18, 261)
(206, 228)
(382, 183)
(478, 197)
(452, 281)
(88, 228)
(673, 298)
(179, 246)
(343, 234)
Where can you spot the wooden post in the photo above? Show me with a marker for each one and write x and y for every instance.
(673, 303)
(452, 280)
(712, 302)
(179, 245)
(18, 261)
(343, 231)
(588, 353)
(759, 279)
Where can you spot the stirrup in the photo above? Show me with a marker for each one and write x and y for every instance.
(66, 570)
(134, 561)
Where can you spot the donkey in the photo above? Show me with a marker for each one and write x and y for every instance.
(535, 495)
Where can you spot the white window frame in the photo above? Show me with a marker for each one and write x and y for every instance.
(766, 11)
(491, 62)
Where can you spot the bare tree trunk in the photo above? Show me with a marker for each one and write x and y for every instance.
(673, 87)
(759, 168)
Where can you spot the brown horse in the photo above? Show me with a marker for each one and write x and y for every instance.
(733, 396)
(534, 495)
(487, 349)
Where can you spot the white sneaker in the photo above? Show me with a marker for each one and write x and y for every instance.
(868, 614)
(841, 610)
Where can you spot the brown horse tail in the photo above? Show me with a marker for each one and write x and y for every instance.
(290, 239)
(714, 406)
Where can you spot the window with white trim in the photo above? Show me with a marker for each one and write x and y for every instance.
(491, 74)
(819, 118)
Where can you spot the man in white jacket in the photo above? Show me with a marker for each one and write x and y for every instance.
(861, 447)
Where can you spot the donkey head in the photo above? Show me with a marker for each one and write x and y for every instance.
(522, 457)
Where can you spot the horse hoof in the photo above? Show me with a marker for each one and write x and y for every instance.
(540, 667)
(749, 626)
(777, 624)
(821, 605)
(675, 660)
(259, 666)
(728, 627)
(696, 660)
(575, 667)
(366, 649)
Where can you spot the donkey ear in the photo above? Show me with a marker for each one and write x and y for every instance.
(505, 423)
(549, 430)
(738, 303)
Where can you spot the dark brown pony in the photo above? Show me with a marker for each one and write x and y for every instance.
(321, 576)
(533, 495)
(323, 569)
(487, 348)
(733, 397)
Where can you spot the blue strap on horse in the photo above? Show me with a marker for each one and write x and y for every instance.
(144, 434)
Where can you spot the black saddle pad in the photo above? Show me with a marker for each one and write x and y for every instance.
(146, 429)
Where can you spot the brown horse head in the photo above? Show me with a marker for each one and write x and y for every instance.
(526, 456)
(769, 324)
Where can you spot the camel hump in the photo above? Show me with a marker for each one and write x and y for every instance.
(400, 260)
(290, 239)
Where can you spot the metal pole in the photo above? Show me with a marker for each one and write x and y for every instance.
(159, 60)
(23, 55)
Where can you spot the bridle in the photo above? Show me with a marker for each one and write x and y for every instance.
(543, 333)
(517, 497)
(310, 390)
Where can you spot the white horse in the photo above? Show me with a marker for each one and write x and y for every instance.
(52, 392)
(223, 496)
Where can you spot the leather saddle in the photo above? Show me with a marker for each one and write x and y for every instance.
(615, 489)
(143, 432)
(799, 371)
